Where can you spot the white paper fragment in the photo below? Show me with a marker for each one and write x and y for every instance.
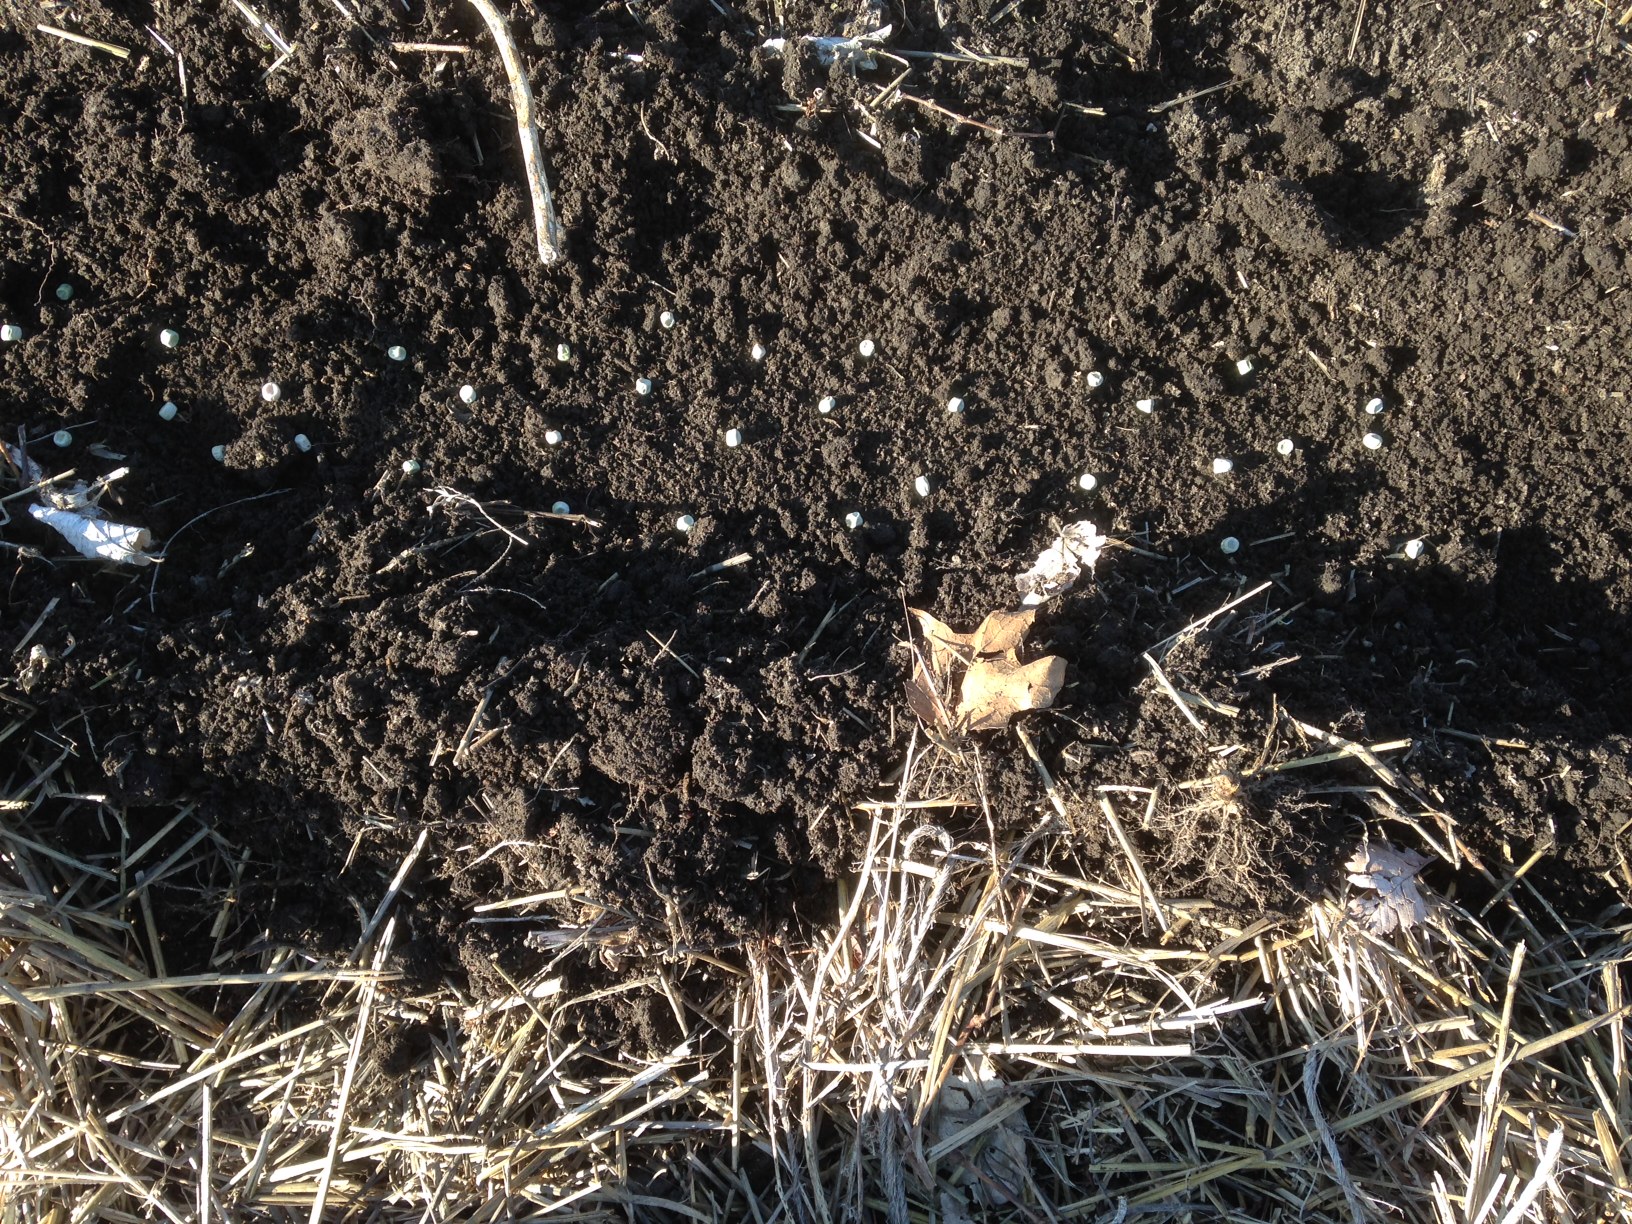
(1059, 566)
(1399, 903)
(71, 511)
(96, 538)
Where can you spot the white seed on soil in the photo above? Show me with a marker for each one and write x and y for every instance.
(955, 405)
(410, 467)
(1374, 407)
(168, 411)
(1095, 379)
(65, 292)
(1414, 549)
(218, 453)
(684, 523)
(10, 332)
(1087, 482)
(643, 386)
(1223, 467)
(1229, 546)
(1285, 446)
(560, 508)
(170, 338)
(563, 352)
(1244, 366)
(302, 443)
(757, 352)
(921, 486)
(467, 394)
(553, 437)
(827, 405)
(733, 437)
(666, 320)
(270, 391)
(867, 348)
(1146, 406)
(63, 438)
(854, 521)
(1372, 441)
(397, 353)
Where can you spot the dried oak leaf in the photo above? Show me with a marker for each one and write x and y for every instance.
(997, 688)
(1003, 632)
(994, 685)
(949, 650)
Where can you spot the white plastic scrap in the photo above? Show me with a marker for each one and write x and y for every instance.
(853, 52)
(1399, 903)
(1058, 567)
(71, 511)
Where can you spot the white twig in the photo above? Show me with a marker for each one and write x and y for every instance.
(521, 97)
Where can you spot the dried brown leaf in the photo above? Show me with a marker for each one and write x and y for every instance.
(996, 689)
(1003, 632)
(924, 703)
(948, 649)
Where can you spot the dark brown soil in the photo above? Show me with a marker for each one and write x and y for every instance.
(1429, 205)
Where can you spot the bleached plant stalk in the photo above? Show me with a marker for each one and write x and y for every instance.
(550, 239)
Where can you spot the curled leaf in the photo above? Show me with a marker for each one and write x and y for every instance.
(948, 649)
(923, 702)
(27, 470)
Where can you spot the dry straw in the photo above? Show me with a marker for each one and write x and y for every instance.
(994, 1026)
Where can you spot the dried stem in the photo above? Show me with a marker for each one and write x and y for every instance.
(550, 240)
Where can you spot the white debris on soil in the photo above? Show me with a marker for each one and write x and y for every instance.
(71, 511)
(1399, 903)
(97, 538)
(1058, 567)
(853, 51)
